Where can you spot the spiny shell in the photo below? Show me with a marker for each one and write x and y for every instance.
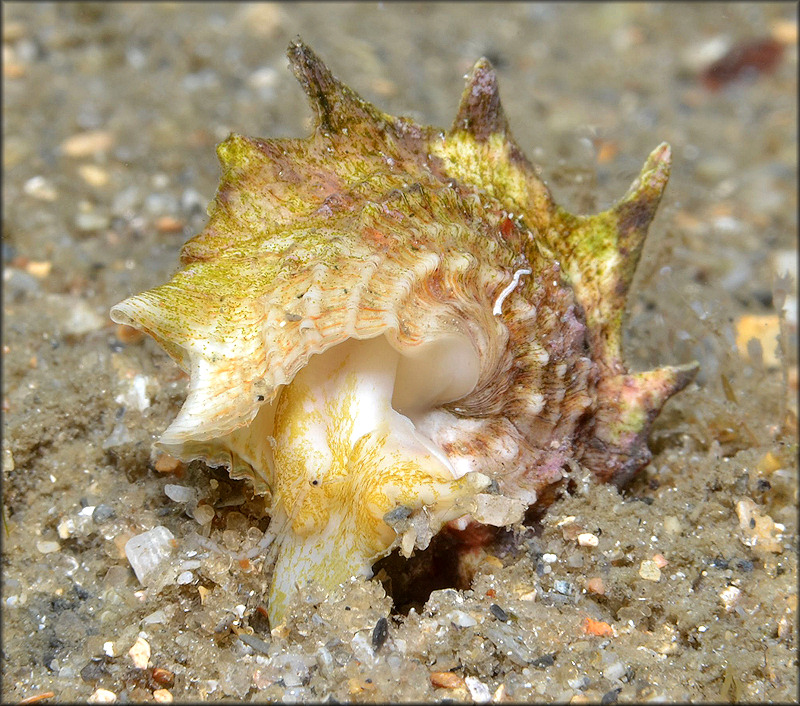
(450, 246)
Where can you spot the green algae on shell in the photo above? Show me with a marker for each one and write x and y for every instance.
(389, 326)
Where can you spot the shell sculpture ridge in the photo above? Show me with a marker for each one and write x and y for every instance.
(390, 327)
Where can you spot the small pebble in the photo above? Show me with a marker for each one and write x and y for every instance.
(587, 539)
(180, 493)
(102, 513)
(713, 168)
(203, 514)
(92, 221)
(167, 464)
(192, 201)
(597, 627)
(232, 540)
(261, 20)
(93, 175)
(86, 144)
(595, 585)
(659, 560)
(613, 671)
(162, 696)
(102, 696)
(380, 632)
(169, 224)
(147, 552)
(79, 317)
(697, 55)
(256, 643)
(497, 510)
(493, 561)
(163, 676)
(562, 587)
(462, 619)
(544, 661)
(47, 547)
(649, 571)
(140, 653)
(446, 680)
(185, 577)
(498, 613)
(65, 528)
(672, 524)
(39, 268)
(259, 620)
(263, 80)
(478, 690)
(606, 151)
(729, 597)
(39, 188)
(769, 463)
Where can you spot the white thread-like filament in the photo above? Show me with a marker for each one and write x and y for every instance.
(498, 305)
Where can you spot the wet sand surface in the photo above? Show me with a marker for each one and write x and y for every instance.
(111, 115)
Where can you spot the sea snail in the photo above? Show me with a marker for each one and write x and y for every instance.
(389, 327)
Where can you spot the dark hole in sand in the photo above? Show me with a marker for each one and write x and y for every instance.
(450, 561)
(453, 557)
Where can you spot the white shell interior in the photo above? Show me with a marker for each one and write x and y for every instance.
(425, 377)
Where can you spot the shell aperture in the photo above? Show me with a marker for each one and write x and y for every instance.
(344, 459)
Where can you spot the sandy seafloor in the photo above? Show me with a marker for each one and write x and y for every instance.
(589, 90)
